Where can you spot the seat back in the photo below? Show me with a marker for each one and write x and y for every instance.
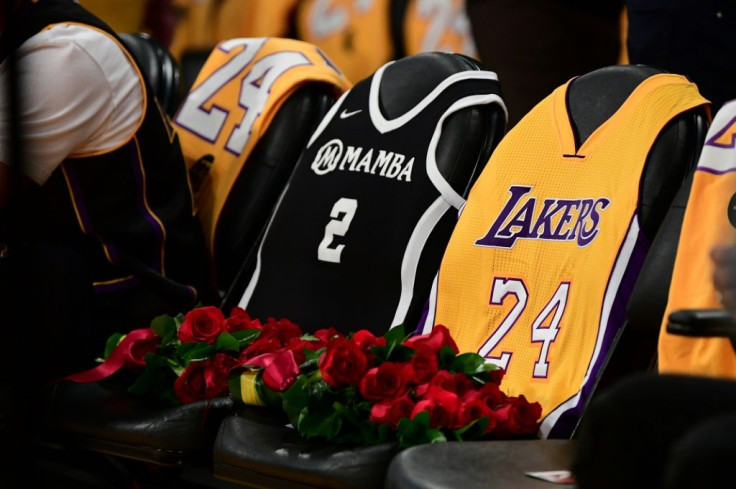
(539, 270)
(360, 231)
(247, 118)
(158, 66)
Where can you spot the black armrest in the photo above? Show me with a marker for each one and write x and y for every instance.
(702, 322)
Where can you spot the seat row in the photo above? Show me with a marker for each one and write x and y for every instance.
(338, 206)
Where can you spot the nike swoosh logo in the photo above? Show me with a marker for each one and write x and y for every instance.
(345, 114)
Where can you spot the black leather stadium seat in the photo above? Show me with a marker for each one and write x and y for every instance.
(260, 453)
(158, 66)
(102, 417)
(668, 175)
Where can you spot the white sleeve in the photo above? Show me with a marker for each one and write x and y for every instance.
(81, 96)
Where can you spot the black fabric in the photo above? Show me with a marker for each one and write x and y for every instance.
(695, 38)
(261, 181)
(362, 290)
(479, 465)
(635, 430)
(256, 448)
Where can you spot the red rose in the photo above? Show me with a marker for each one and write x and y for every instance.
(424, 364)
(391, 412)
(457, 383)
(239, 320)
(387, 381)
(492, 395)
(297, 345)
(496, 375)
(203, 324)
(367, 340)
(442, 406)
(436, 339)
(475, 409)
(325, 336)
(518, 417)
(204, 380)
(283, 329)
(343, 363)
(140, 343)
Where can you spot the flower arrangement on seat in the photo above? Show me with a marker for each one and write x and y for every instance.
(357, 388)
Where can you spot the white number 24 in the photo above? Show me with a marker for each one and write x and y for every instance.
(545, 335)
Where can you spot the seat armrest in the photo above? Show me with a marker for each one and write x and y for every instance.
(702, 322)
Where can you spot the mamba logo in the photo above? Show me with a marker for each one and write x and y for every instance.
(334, 156)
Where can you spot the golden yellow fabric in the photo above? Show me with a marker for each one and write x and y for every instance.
(432, 25)
(121, 15)
(564, 267)
(195, 27)
(706, 225)
(264, 76)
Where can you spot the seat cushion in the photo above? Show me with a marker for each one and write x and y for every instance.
(479, 465)
(103, 417)
(257, 448)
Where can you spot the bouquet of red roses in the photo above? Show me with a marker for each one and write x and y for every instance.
(358, 388)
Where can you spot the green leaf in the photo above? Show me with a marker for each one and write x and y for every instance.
(447, 357)
(200, 351)
(165, 326)
(309, 337)
(295, 399)
(472, 430)
(468, 363)
(151, 378)
(179, 319)
(227, 342)
(246, 336)
(111, 343)
(319, 423)
(395, 336)
(312, 355)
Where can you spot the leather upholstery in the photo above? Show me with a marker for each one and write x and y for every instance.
(479, 465)
(257, 448)
(158, 66)
(104, 418)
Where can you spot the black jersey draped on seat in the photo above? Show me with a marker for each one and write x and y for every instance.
(359, 233)
(350, 277)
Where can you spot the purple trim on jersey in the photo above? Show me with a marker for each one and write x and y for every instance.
(726, 127)
(423, 318)
(567, 422)
(327, 60)
(79, 204)
(715, 172)
(117, 286)
(145, 211)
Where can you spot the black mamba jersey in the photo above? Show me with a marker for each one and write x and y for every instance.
(127, 211)
(359, 232)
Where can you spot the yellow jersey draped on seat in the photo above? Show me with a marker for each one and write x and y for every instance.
(710, 221)
(240, 88)
(541, 264)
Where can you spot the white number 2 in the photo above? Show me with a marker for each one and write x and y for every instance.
(545, 335)
(254, 91)
(342, 215)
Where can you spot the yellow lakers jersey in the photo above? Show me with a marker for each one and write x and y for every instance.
(710, 221)
(231, 104)
(534, 276)
(438, 25)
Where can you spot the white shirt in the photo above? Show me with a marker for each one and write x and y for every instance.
(81, 96)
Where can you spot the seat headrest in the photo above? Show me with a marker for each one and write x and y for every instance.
(158, 67)
(595, 96)
(407, 81)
